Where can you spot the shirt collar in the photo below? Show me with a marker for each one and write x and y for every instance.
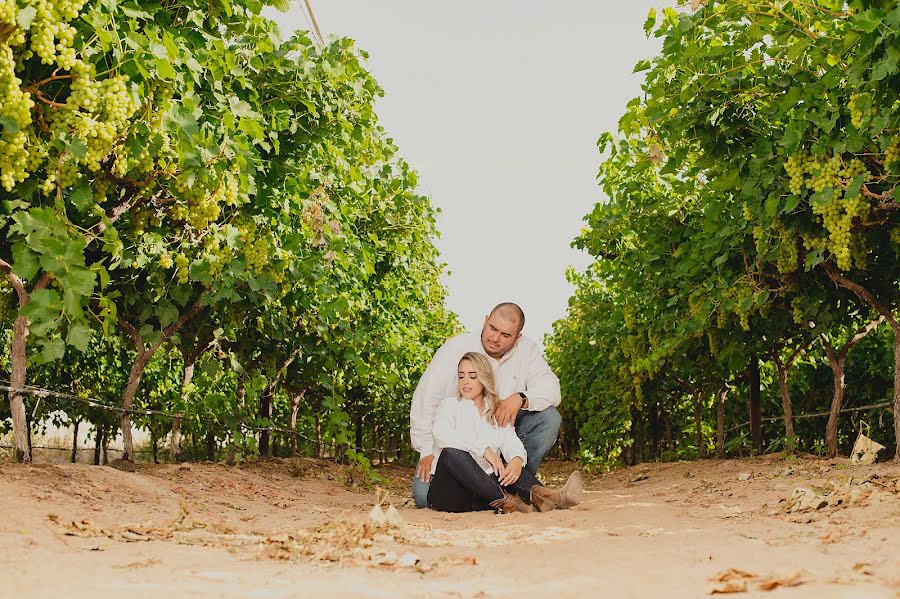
(472, 404)
(505, 357)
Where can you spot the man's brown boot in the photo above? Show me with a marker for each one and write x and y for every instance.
(511, 503)
(546, 498)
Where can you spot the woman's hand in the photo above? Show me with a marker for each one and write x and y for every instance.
(513, 472)
(496, 463)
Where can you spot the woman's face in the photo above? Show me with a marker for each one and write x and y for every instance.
(469, 385)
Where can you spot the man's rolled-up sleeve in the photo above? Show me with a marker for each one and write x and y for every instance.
(541, 385)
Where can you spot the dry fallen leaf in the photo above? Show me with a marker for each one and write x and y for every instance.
(865, 450)
(729, 586)
(773, 582)
(731, 580)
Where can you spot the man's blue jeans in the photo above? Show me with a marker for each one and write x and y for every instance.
(538, 432)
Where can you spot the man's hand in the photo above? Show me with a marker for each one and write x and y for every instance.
(508, 410)
(496, 463)
(513, 472)
(423, 470)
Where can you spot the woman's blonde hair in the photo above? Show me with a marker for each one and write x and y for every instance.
(485, 375)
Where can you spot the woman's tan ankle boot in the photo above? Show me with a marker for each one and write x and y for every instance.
(546, 498)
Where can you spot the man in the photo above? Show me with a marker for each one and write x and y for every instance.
(528, 389)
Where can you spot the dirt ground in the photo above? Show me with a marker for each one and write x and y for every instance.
(764, 527)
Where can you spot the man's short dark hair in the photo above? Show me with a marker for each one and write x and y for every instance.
(507, 307)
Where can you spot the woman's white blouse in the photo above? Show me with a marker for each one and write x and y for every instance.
(458, 424)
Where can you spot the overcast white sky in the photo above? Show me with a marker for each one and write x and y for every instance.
(498, 106)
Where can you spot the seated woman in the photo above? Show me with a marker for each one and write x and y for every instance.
(469, 473)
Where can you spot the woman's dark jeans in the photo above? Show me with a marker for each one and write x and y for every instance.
(460, 485)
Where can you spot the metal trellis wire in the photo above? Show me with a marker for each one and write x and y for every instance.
(47, 394)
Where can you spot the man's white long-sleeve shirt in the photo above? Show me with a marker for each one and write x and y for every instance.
(458, 424)
(521, 369)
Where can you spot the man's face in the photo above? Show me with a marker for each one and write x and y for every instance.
(498, 335)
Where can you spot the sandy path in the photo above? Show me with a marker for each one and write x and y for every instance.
(657, 530)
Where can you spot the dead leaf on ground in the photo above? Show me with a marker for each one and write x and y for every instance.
(652, 532)
(731, 580)
(773, 582)
(865, 450)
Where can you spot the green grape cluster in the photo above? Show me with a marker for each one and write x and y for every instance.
(857, 207)
(204, 210)
(859, 252)
(633, 346)
(96, 112)
(216, 254)
(788, 255)
(181, 264)
(759, 235)
(839, 213)
(695, 306)
(796, 168)
(813, 242)
(838, 225)
(713, 343)
(747, 213)
(857, 114)
(201, 203)
(139, 221)
(16, 105)
(628, 316)
(101, 187)
(824, 173)
(892, 153)
(7, 304)
(8, 12)
(853, 168)
(52, 36)
(798, 310)
(179, 212)
(256, 246)
(165, 260)
(721, 319)
(733, 298)
(232, 187)
(278, 276)
(895, 235)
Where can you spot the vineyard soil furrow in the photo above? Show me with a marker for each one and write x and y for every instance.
(282, 528)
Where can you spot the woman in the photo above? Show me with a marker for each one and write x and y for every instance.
(469, 473)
